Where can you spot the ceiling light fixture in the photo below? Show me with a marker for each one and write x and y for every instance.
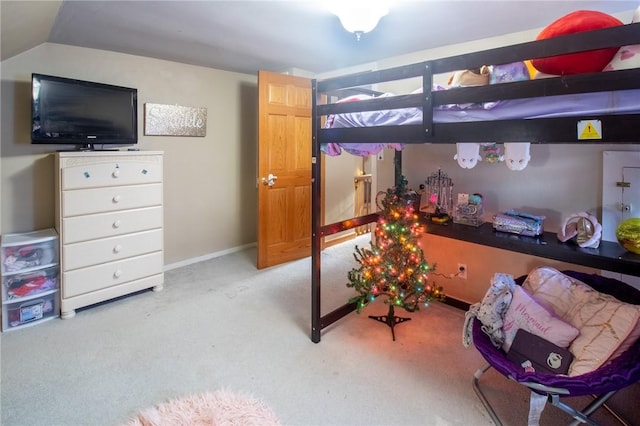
(361, 16)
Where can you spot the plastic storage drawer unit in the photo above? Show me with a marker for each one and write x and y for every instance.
(30, 278)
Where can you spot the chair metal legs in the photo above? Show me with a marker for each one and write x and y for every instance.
(483, 399)
(554, 398)
(581, 416)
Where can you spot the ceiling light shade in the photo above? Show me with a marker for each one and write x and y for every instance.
(360, 17)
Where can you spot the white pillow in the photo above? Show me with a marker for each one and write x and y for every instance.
(627, 56)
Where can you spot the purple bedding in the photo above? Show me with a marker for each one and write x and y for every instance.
(616, 374)
(581, 104)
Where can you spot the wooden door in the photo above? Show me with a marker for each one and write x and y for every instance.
(284, 168)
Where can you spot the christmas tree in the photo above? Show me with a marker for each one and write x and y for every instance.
(394, 267)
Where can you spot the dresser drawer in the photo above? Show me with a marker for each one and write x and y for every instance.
(102, 225)
(108, 171)
(88, 253)
(101, 200)
(85, 280)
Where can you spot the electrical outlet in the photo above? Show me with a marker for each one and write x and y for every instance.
(462, 271)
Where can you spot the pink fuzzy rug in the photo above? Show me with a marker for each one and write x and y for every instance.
(213, 408)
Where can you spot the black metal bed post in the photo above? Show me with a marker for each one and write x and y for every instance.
(316, 219)
(427, 100)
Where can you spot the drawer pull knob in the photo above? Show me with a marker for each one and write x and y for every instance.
(117, 274)
(115, 173)
(117, 199)
(117, 248)
(117, 224)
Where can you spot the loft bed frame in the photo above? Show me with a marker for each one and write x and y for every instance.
(616, 128)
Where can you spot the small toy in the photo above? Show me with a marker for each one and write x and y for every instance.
(528, 367)
(492, 152)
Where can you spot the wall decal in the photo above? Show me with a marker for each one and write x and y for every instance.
(174, 120)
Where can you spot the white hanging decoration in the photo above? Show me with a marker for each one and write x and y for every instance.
(467, 154)
(517, 155)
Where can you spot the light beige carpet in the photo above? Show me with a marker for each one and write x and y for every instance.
(220, 408)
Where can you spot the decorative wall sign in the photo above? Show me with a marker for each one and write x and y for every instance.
(174, 120)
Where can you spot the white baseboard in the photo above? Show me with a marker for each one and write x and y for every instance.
(205, 257)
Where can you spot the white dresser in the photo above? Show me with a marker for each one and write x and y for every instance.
(110, 222)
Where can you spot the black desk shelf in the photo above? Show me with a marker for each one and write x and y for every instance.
(609, 256)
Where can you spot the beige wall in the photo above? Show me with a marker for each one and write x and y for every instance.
(482, 263)
(210, 182)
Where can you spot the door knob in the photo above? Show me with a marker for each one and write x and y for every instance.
(269, 180)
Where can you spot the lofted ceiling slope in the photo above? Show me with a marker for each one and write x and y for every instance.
(245, 36)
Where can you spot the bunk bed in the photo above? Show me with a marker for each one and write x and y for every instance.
(429, 123)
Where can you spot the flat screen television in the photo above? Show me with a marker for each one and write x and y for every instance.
(82, 113)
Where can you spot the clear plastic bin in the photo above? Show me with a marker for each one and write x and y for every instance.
(29, 251)
(468, 214)
(27, 284)
(33, 310)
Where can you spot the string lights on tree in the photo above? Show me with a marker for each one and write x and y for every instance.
(394, 266)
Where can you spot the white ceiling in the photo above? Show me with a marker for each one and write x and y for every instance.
(245, 36)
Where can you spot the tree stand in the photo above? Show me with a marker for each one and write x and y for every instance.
(390, 319)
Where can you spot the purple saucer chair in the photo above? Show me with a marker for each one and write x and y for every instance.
(601, 383)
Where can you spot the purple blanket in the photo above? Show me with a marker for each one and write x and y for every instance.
(581, 104)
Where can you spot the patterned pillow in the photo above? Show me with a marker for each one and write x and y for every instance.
(605, 323)
(627, 56)
(505, 73)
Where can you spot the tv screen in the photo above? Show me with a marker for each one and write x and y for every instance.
(68, 111)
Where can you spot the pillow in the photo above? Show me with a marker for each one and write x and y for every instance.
(605, 323)
(627, 56)
(582, 62)
(524, 312)
(633, 336)
(505, 73)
